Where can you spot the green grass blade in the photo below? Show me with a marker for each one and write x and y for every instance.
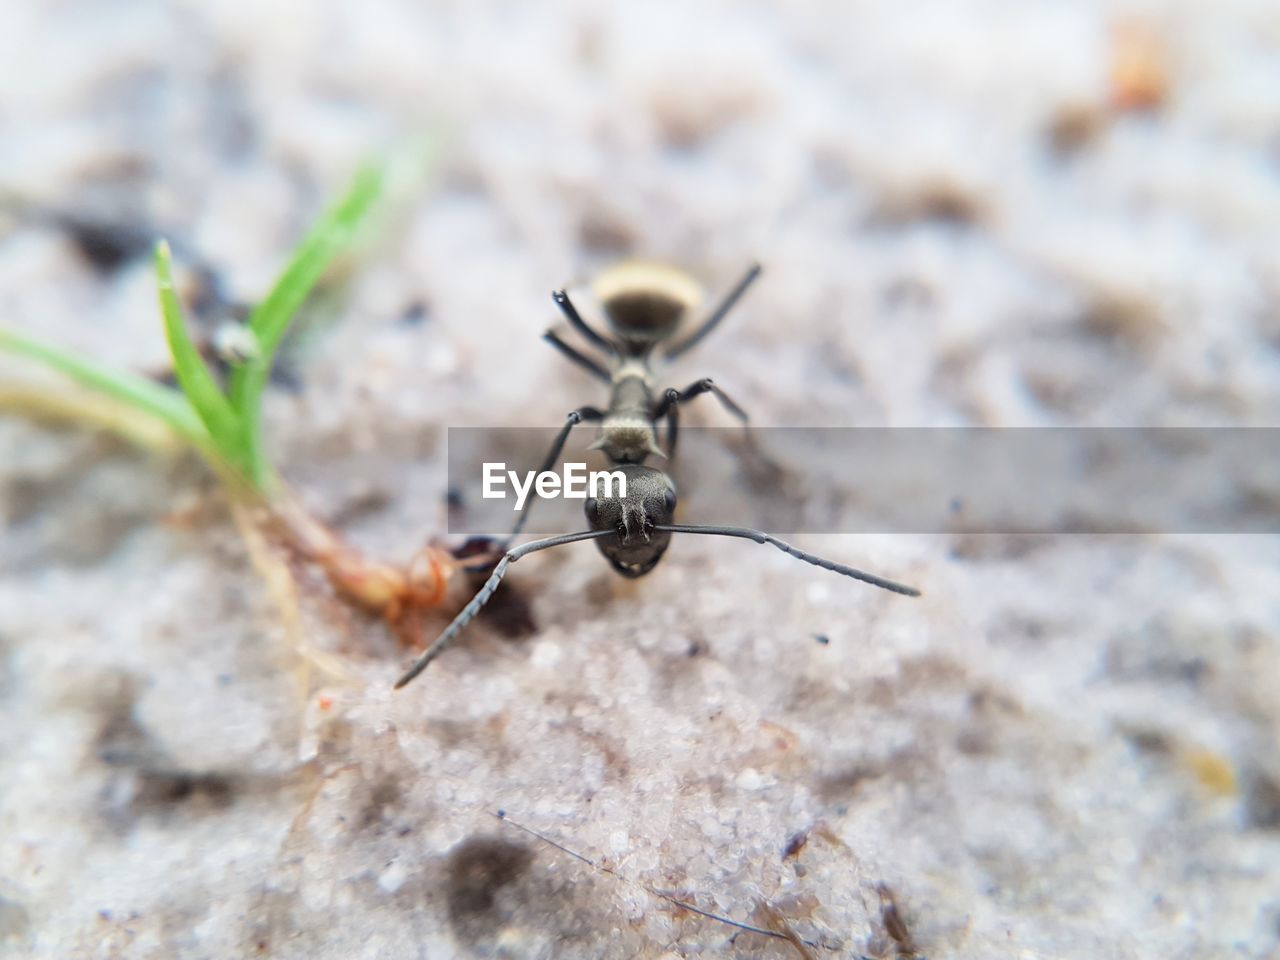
(271, 318)
(273, 315)
(201, 389)
(163, 402)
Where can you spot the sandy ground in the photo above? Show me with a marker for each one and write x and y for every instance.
(1067, 748)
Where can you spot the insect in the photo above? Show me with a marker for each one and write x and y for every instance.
(644, 305)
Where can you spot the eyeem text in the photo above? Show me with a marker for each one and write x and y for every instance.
(573, 485)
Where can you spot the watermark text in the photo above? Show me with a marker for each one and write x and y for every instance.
(575, 484)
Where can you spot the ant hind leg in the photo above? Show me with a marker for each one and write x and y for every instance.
(576, 356)
(718, 314)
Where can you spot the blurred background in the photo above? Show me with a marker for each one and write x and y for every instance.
(984, 214)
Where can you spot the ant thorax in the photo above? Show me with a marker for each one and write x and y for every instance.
(627, 433)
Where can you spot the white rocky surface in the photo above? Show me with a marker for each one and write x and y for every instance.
(1067, 748)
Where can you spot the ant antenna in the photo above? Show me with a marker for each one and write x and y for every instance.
(760, 536)
(490, 585)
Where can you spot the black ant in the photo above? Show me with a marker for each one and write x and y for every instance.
(643, 304)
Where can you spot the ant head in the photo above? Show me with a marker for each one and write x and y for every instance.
(650, 502)
(645, 302)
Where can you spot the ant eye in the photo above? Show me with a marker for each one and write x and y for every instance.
(592, 506)
(669, 501)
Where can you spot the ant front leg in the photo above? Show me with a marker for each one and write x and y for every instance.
(581, 415)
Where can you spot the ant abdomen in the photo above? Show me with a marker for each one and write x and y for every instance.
(645, 302)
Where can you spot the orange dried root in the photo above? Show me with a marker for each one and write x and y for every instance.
(397, 593)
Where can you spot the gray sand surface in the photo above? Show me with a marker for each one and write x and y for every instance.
(1066, 748)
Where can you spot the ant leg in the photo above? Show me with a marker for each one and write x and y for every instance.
(697, 389)
(717, 314)
(576, 356)
(672, 399)
(575, 320)
(582, 414)
(756, 463)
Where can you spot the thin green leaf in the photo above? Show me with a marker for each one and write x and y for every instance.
(271, 318)
(193, 375)
(311, 259)
(163, 402)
